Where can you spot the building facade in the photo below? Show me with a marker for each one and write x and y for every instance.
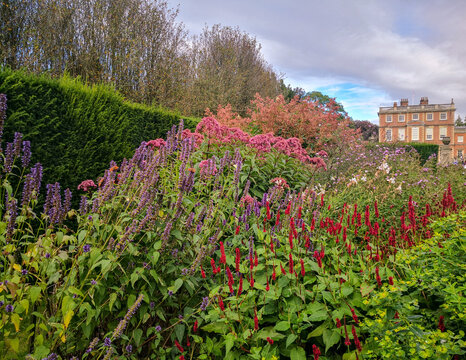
(426, 123)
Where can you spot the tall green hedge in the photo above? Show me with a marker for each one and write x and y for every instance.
(425, 150)
(75, 129)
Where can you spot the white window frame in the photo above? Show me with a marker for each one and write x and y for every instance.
(429, 133)
(460, 153)
(441, 116)
(401, 118)
(460, 138)
(415, 118)
(417, 134)
(431, 116)
(441, 136)
(401, 131)
(388, 138)
(388, 118)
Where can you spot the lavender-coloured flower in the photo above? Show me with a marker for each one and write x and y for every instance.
(26, 158)
(12, 211)
(93, 282)
(3, 108)
(107, 341)
(17, 143)
(129, 349)
(24, 271)
(86, 248)
(158, 328)
(124, 322)
(205, 303)
(170, 293)
(9, 157)
(9, 308)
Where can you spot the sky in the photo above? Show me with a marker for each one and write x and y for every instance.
(365, 53)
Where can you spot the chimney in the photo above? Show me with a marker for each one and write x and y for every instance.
(424, 101)
(404, 102)
(395, 105)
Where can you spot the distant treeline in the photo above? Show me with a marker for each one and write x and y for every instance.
(138, 46)
(76, 130)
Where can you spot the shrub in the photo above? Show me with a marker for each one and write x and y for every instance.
(76, 130)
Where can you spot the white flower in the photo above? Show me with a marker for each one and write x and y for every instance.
(391, 180)
(399, 189)
(384, 167)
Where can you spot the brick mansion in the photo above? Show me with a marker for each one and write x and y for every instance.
(426, 123)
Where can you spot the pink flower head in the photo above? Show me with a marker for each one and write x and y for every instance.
(280, 182)
(86, 185)
(156, 143)
(209, 127)
(319, 162)
(198, 138)
(247, 199)
(322, 153)
(207, 168)
(261, 142)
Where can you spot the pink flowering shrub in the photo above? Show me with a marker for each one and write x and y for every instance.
(156, 143)
(87, 185)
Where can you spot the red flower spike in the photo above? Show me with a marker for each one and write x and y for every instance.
(274, 274)
(278, 219)
(181, 357)
(288, 208)
(268, 211)
(267, 288)
(220, 303)
(441, 324)
(256, 259)
(282, 269)
(202, 272)
(256, 321)
(271, 245)
(355, 317)
(177, 344)
(316, 352)
(390, 280)
(237, 230)
(397, 316)
(214, 269)
(188, 344)
(240, 286)
(195, 326)
(223, 258)
(251, 281)
(290, 238)
(269, 340)
(322, 200)
(299, 212)
(338, 323)
(303, 271)
(291, 263)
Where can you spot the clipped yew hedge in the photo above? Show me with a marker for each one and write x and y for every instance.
(75, 129)
(425, 150)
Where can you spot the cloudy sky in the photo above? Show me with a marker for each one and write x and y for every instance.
(366, 53)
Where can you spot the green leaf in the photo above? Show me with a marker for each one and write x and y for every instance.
(216, 327)
(330, 338)
(282, 326)
(34, 293)
(137, 335)
(297, 353)
(318, 316)
(177, 285)
(179, 331)
(366, 289)
(290, 339)
(318, 330)
(113, 297)
(229, 342)
(349, 356)
(346, 290)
